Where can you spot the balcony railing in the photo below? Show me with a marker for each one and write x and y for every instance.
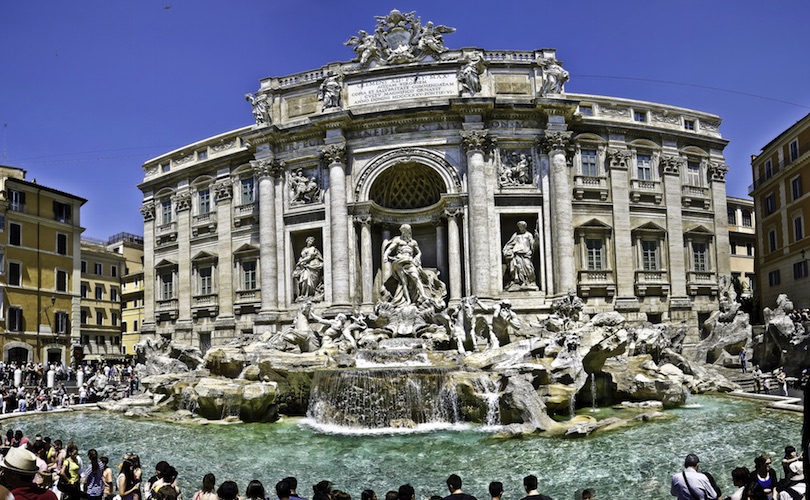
(588, 184)
(643, 187)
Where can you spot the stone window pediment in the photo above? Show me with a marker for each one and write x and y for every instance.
(165, 264)
(204, 257)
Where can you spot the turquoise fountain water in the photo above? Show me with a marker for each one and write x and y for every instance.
(724, 432)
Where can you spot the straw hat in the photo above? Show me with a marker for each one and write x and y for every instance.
(20, 460)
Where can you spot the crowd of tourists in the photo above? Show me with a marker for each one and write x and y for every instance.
(41, 469)
(26, 387)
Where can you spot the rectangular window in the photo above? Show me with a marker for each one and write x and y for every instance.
(644, 167)
(113, 294)
(586, 110)
(61, 281)
(589, 165)
(202, 155)
(800, 270)
(84, 315)
(773, 278)
(639, 116)
(123, 327)
(61, 321)
(693, 177)
(16, 200)
(114, 271)
(768, 169)
(798, 228)
(746, 218)
(84, 266)
(649, 255)
(14, 274)
(165, 167)
(134, 326)
(794, 150)
(732, 217)
(14, 234)
(99, 292)
(700, 257)
(749, 249)
(61, 244)
(14, 319)
(796, 187)
(689, 124)
(166, 212)
(772, 241)
(249, 275)
(594, 254)
(99, 339)
(85, 290)
(166, 286)
(770, 204)
(204, 202)
(61, 212)
(97, 269)
(114, 318)
(205, 280)
(248, 193)
(99, 317)
(733, 248)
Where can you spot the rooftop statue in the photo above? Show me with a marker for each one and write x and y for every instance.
(399, 38)
(261, 108)
(554, 77)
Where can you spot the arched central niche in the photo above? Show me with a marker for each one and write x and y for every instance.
(407, 185)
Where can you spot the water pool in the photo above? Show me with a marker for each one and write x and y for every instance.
(725, 432)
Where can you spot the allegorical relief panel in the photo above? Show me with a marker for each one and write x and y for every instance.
(515, 168)
(304, 187)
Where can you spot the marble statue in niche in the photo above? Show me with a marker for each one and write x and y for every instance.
(308, 273)
(518, 254)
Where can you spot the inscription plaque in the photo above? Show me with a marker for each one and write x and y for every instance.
(405, 87)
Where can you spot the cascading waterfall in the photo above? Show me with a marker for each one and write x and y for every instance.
(230, 406)
(593, 391)
(572, 404)
(187, 400)
(383, 397)
(489, 391)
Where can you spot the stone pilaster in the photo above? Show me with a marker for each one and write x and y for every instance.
(149, 288)
(622, 242)
(366, 258)
(555, 144)
(267, 171)
(717, 177)
(182, 206)
(453, 253)
(677, 262)
(476, 143)
(334, 156)
(223, 196)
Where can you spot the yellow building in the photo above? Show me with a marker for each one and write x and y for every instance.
(781, 200)
(131, 247)
(40, 254)
(742, 240)
(101, 271)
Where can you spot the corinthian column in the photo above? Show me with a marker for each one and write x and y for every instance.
(476, 142)
(266, 171)
(717, 176)
(555, 144)
(149, 288)
(223, 193)
(453, 253)
(334, 156)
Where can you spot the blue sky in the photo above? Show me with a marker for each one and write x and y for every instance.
(89, 90)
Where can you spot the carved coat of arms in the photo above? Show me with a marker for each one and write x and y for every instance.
(399, 38)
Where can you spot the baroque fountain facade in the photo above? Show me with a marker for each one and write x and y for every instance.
(455, 212)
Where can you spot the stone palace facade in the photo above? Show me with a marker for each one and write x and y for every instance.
(512, 188)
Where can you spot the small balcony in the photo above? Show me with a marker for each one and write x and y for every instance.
(203, 223)
(646, 190)
(652, 283)
(166, 309)
(205, 305)
(696, 196)
(590, 187)
(701, 283)
(247, 301)
(595, 283)
(245, 214)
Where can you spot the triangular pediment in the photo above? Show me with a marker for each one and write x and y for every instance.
(204, 256)
(165, 263)
(649, 227)
(699, 230)
(246, 249)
